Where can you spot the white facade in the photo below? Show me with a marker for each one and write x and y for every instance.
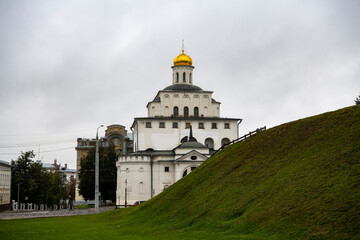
(68, 173)
(165, 137)
(163, 150)
(166, 101)
(139, 173)
(5, 183)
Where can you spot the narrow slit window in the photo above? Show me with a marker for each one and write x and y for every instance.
(196, 112)
(186, 112)
(176, 111)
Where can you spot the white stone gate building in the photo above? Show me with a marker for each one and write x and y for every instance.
(163, 150)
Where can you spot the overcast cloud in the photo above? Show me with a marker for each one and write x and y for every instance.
(68, 66)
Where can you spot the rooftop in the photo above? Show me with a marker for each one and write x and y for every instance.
(183, 87)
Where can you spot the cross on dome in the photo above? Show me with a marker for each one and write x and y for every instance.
(182, 59)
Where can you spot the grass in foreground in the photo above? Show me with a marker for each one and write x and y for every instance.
(299, 180)
(109, 225)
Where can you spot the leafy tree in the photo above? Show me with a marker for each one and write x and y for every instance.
(34, 182)
(69, 188)
(21, 176)
(357, 100)
(53, 186)
(107, 174)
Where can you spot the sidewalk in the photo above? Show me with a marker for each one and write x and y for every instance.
(56, 213)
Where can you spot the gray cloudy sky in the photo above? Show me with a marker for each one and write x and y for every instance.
(68, 66)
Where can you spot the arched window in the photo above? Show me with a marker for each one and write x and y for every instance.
(184, 78)
(196, 112)
(186, 112)
(190, 79)
(177, 77)
(116, 141)
(188, 170)
(209, 142)
(141, 187)
(176, 112)
(185, 173)
(225, 141)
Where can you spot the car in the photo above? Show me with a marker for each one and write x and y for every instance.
(138, 202)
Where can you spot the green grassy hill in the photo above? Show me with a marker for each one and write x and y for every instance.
(300, 180)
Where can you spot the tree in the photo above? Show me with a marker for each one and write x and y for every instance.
(107, 174)
(70, 188)
(31, 180)
(357, 100)
(21, 176)
(53, 187)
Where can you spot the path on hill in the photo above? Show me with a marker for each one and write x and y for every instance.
(58, 213)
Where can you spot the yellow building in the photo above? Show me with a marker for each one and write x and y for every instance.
(115, 134)
(5, 185)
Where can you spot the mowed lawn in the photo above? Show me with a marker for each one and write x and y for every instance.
(116, 224)
(299, 180)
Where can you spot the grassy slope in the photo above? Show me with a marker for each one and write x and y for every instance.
(299, 180)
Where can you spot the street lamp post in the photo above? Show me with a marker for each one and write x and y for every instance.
(18, 194)
(97, 171)
(125, 193)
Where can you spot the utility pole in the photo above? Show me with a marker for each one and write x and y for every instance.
(18, 194)
(97, 171)
(125, 193)
(151, 176)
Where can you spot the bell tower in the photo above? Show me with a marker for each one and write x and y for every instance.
(183, 69)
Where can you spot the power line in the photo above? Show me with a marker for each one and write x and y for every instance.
(36, 143)
(60, 149)
(32, 135)
(53, 150)
(27, 140)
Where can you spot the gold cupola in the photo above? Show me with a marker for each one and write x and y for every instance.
(183, 59)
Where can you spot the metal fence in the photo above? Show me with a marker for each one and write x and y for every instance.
(250, 134)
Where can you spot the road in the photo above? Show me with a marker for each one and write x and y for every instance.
(57, 213)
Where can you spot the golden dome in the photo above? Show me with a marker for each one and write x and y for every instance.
(182, 59)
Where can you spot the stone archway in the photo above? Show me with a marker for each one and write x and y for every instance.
(225, 141)
(209, 142)
(188, 170)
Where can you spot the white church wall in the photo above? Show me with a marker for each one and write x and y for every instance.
(169, 137)
(162, 178)
(166, 178)
(180, 167)
(159, 132)
(178, 74)
(136, 171)
(133, 173)
(215, 109)
(168, 100)
(163, 140)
